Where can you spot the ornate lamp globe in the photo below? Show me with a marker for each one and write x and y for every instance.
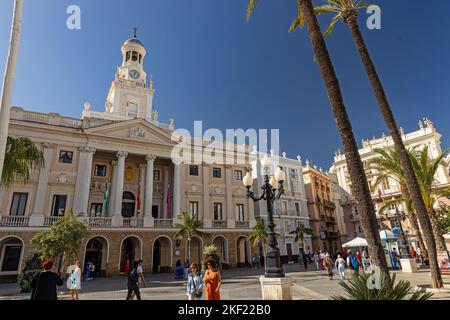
(248, 180)
(273, 182)
(266, 162)
(280, 175)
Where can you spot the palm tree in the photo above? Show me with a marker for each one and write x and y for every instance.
(8, 80)
(259, 236)
(387, 166)
(355, 167)
(426, 169)
(347, 11)
(300, 233)
(21, 158)
(189, 228)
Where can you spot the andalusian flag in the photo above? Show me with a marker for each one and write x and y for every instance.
(106, 199)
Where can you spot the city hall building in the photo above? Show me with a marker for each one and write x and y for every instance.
(114, 170)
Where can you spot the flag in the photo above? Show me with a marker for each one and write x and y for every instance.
(106, 199)
(169, 213)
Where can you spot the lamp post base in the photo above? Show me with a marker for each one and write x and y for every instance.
(275, 288)
(408, 265)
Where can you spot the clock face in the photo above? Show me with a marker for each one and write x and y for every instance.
(134, 74)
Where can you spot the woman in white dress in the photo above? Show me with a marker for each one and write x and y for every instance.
(74, 280)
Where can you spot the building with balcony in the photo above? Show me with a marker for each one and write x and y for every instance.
(290, 211)
(322, 210)
(425, 137)
(114, 170)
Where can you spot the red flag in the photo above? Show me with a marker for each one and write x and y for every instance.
(139, 202)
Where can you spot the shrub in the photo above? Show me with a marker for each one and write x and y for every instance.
(357, 289)
(33, 264)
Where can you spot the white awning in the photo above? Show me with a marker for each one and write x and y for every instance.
(357, 242)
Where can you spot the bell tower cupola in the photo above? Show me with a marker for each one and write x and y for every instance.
(130, 96)
(133, 52)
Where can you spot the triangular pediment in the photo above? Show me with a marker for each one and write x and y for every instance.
(135, 130)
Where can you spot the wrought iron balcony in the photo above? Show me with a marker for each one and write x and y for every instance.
(219, 224)
(163, 223)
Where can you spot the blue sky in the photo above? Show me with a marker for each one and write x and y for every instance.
(209, 64)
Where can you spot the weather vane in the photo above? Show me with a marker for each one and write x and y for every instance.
(135, 32)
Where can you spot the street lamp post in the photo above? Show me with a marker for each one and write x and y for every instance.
(404, 244)
(272, 191)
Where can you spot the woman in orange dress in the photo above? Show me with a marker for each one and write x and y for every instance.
(212, 281)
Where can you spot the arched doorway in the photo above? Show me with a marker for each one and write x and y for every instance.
(222, 248)
(128, 205)
(195, 253)
(130, 250)
(97, 249)
(11, 254)
(243, 252)
(162, 255)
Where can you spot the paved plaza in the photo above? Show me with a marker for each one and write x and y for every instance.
(238, 284)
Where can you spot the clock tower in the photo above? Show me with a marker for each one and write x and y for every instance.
(130, 95)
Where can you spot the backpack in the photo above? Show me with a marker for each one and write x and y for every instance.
(355, 263)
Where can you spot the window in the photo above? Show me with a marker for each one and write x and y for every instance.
(65, 156)
(11, 257)
(193, 170)
(96, 209)
(128, 56)
(193, 208)
(18, 204)
(218, 212)
(217, 173)
(238, 175)
(155, 210)
(134, 56)
(294, 174)
(59, 205)
(386, 184)
(240, 212)
(284, 207)
(100, 170)
(297, 208)
(156, 175)
(132, 110)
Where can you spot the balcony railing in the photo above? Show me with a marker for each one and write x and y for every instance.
(49, 221)
(100, 222)
(14, 221)
(133, 222)
(242, 224)
(219, 224)
(163, 223)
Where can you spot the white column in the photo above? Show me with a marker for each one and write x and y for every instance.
(117, 215)
(37, 216)
(86, 184)
(149, 185)
(8, 80)
(142, 168)
(148, 201)
(206, 214)
(176, 192)
(166, 186)
(231, 220)
(112, 195)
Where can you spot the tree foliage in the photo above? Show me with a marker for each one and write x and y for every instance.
(33, 264)
(62, 242)
(21, 157)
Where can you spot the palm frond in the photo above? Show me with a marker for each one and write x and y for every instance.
(251, 8)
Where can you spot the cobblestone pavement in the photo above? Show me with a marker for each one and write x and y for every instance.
(238, 284)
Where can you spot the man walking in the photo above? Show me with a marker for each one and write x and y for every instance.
(133, 280)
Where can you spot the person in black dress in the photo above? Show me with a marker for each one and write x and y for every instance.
(44, 283)
(133, 279)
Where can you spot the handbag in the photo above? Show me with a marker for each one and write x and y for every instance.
(196, 294)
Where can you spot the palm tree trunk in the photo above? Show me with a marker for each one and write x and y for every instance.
(405, 161)
(8, 80)
(415, 226)
(437, 231)
(355, 166)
